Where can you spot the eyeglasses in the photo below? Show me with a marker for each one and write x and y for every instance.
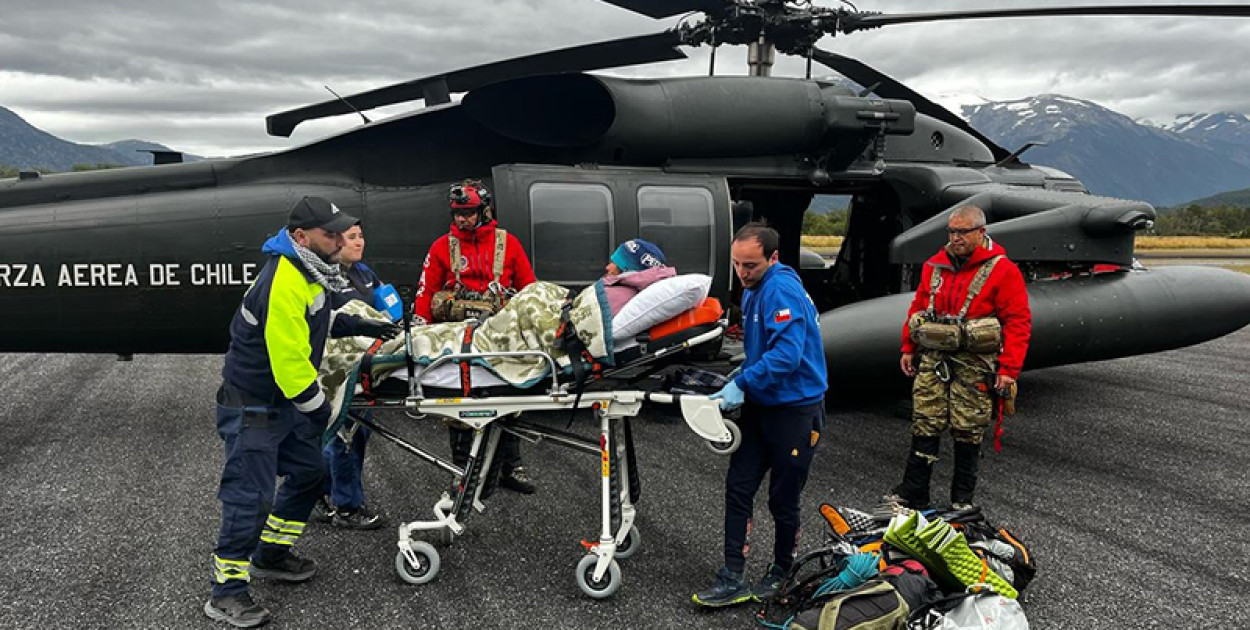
(962, 232)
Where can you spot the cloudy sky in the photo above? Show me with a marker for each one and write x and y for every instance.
(200, 77)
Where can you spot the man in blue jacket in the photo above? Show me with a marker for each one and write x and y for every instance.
(781, 390)
(271, 411)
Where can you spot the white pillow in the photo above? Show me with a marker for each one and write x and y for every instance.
(660, 302)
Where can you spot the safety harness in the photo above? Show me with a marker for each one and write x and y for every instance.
(457, 265)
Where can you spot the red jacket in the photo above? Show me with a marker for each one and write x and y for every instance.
(477, 249)
(1003, 296)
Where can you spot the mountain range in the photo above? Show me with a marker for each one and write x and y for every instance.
(1164, 163)
(24, 146)
(1194, 156)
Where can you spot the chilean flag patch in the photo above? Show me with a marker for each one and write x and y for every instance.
(781, 316)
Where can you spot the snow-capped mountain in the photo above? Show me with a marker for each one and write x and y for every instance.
(1226, 130)
(1117, 156)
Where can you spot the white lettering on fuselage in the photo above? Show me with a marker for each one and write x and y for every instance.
(17, 275)
(97, 275)
(203, 274)
(20, 275)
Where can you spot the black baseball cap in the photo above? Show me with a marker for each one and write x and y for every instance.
(315, 212)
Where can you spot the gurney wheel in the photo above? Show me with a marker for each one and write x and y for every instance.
(735, 440)
(446, 536)
(605, 587)
(427, 556)
(629, 546)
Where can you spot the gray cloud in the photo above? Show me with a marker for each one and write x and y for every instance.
(202, 76)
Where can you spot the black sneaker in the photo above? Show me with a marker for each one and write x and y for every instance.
(359, 518)
(769, 585)
(728, 589)
(323, 511)
(517, 481)
(288, 567)
(237, 610)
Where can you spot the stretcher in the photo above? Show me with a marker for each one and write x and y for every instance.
(614, 397)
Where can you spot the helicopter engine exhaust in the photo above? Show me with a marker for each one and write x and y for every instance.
(654, 120)
(1085, 318)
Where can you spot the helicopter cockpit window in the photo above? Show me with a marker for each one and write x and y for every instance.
(572, 231)
(679, 220)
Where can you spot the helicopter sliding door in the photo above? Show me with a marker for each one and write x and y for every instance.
(570, 219)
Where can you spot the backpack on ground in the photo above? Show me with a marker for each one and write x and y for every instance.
(874, 605)
(1002, 550)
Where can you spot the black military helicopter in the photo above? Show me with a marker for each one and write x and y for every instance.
(153, 259)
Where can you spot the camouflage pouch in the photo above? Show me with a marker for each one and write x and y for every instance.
(440, 305)
(983, 336)
(932, 335)
(462, 310)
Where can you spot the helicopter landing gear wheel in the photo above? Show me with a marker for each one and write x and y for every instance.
(629, 546)
(606, 586)
(426, 568)
(727, 448)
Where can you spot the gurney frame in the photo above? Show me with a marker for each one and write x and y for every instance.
(598, 573)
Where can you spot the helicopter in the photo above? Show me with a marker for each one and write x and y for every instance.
(154, 259)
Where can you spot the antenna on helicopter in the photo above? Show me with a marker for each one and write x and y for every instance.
(336, 95)
(1015, 155)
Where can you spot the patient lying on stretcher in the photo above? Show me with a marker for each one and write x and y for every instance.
(529, 322)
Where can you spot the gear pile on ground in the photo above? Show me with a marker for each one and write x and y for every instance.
(910, 569)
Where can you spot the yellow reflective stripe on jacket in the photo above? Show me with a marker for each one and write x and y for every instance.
(226, 569)
(291, 298)
(281, 532)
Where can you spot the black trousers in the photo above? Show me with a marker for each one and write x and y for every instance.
(782, 440)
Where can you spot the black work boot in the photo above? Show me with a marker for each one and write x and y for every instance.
(282, 565)
(964, 480)
(914, 491)
(517, 480)
(239, 611)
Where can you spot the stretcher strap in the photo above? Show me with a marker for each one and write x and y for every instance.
(579, 355)
(366, 368)
(466, 373)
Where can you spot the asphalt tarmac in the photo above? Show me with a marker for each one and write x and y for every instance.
(1130, 479)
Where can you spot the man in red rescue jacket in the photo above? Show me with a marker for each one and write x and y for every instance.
(965, 337)
(476, 273)
(475, 229)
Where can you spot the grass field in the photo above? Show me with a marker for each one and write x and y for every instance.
(1191, 242)
(1143, 242)
(1163, 250)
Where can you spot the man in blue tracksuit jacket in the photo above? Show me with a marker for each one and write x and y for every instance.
(781, 390)
(271, 411)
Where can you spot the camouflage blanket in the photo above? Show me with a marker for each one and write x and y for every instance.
(527, 323)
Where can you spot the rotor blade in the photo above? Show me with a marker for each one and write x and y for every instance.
(438, 88)
(887, 87)
(859, 22)
(665, 8)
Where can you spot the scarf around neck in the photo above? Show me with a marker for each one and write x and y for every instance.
(328, 275)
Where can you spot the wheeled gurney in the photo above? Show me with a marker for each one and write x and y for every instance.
(614, 398)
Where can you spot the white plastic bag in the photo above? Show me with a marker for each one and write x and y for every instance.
(986, 610)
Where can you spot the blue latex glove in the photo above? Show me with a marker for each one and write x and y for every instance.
(730, 396)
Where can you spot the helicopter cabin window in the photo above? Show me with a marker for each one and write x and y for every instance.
(572, 231)
(679, 220)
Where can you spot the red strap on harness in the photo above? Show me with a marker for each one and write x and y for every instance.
(998, 424)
